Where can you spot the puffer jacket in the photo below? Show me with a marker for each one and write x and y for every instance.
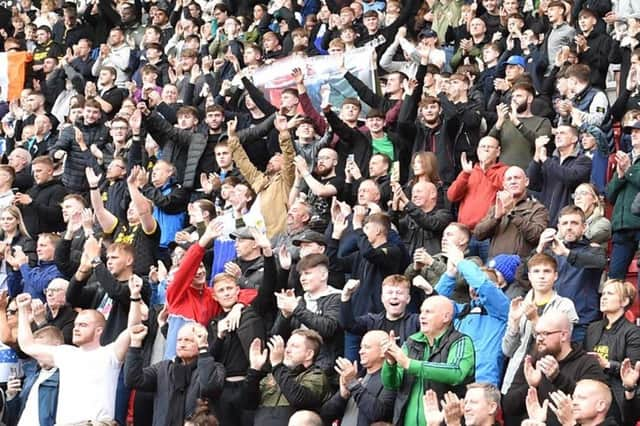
(77, 160)
(182, 148)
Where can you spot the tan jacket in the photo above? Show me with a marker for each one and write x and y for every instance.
(515, 233)
(273, 191)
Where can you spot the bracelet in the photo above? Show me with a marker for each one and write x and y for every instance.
(203, 349)
(93, 188)
(632, 389)
(135, 299)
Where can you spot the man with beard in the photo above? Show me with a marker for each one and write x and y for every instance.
(517, 125)
(556, 365)
(294, 382)
(319, 188)
(580, 265)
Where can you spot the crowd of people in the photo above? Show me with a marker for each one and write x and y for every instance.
(448, 244)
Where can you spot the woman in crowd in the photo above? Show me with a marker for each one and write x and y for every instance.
(14, 237)
(614, 338)
(598, 226)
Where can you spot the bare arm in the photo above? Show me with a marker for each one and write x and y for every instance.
(42, 353)
(105, 218)
(141, 203)
(121, 345)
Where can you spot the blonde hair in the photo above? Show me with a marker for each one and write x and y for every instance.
(15, 212)
(624, 290)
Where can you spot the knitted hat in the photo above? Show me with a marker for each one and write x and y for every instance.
(506, 264)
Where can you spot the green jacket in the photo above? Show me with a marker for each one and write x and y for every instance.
(446, 366)
(621, 193)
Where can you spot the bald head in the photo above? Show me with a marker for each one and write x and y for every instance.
(371, 350)
(436, 315)
(424, 195)
(555, 320)
(516, 182)
(591, 401)
(305, 418)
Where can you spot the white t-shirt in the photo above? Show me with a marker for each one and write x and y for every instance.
(88, 382)
(31, 413)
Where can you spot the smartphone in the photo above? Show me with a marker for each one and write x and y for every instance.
(350, 158)
(395, 171)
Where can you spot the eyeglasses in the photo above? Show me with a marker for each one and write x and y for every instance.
(544, 334)
(582, 193)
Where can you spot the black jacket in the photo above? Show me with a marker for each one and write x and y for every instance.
(176, 386)
(69, 252)
(44, 214)
(374, 402)
(410, 323)
(77, 160)
(326, 321)
(288, 390)
(420, 229)
(91, 294)
(369, 265)
(182, 148)
(577, 365)
(626, 344)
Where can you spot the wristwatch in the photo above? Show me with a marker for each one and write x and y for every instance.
(96, 261)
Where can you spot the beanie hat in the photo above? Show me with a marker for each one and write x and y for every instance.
(507, 265)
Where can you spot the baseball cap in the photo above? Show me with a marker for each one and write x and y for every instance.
(517, 60)
(309, 237)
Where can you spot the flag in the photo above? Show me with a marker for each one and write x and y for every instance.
(13, 71)
(319, 71)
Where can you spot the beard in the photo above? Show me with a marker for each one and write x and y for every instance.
(520, 108)
(541, 353)
(322, 172)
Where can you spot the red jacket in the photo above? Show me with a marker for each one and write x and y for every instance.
(191, 303)
(476, 192)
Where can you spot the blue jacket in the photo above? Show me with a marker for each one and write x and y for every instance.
(47, 399)
(579, 276)
(485, 327)
(33, 280)
(169, 218)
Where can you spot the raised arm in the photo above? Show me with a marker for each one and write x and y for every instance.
(42, 353)
(143, 205)
(107, 220)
